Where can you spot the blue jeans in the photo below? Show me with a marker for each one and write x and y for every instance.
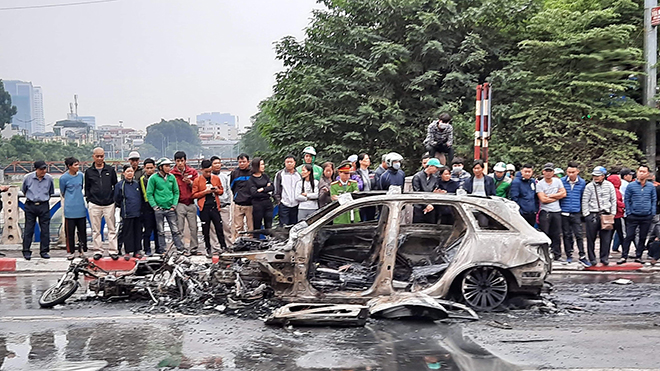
(170, 215)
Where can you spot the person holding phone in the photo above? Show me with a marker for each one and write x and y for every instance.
(207, 189)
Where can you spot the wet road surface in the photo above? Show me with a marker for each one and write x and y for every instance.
(90, 335)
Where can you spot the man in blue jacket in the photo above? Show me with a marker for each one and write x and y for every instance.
(480, 184)
(128, 197)
(640, 200)
(571, 213)
(523, 192)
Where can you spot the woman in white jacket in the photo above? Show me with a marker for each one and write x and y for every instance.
(307, 193)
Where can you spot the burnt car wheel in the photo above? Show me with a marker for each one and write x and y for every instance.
(484, 288)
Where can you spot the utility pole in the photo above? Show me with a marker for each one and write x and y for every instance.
(651, 20)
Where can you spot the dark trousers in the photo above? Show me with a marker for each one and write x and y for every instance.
(550, 223)
(149, 225)
(571, 225)
(654, 250)
(70, 227)
(594, 230)
(530, 218)
(262, 215)
(32, 213)
(368, 213)
(618, 235)
(132, 235)
(120, 236)
(420, 217)
(208, 215)
(288, 215)
(441, 148)
(632, 223)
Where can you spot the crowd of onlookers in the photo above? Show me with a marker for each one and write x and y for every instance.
(618, 206)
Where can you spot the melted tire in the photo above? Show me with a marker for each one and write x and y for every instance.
(58, 295)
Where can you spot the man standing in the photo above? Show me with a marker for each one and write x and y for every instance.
(75, 211)
(523, 192)
(550, 190)
(458, 174)
(599, 198)
(148, 215)
(502, 181)
(285, 192)
(380, 170)
(640, 200)
(479, 184)
(37, 188)
(225, 202)
(241, 190)
(440, 138)
(368, 184)
(394, 176)
(571, 213)
(100, 181)
(344, 185)
(206, 190)
(134, 160)
(425, 181)
(309, 156)
(186, 210)
(163, 194)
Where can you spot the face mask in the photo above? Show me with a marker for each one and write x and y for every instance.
(457, 169)
(396, 166)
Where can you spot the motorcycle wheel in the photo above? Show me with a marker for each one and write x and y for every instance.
(58, 295)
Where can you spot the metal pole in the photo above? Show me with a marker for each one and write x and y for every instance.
(650, 53)
(477, 141)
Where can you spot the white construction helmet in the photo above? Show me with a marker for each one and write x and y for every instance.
(500, 166)
(134, 154)
(392, 157)
(309, 150)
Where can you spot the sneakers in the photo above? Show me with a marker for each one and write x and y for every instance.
(621, 261)
(569, 260)
(97, 256)
(209, 254)
(585, 262)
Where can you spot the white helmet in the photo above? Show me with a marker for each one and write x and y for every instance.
(391, 157)
(500, 166)
(309, 150)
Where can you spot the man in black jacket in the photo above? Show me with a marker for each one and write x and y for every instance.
(242, 205)
(426, 181)
(100, 180)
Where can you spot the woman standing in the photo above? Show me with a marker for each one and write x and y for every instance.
(307, 193)
(260, 191)
(445, 183)
(325, 182)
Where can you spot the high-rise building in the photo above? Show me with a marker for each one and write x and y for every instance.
(22, 96)
(216, 125)
(38, 120)
(90, 120)
(218, 118)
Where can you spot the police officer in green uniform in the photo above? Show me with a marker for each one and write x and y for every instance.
(345, 185)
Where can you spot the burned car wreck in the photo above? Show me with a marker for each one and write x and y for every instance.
(479, 252)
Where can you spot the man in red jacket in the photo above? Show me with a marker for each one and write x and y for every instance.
(186, 210)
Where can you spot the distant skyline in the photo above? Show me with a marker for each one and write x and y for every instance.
(138, 61)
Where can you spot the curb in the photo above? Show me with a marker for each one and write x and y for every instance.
(17, 265)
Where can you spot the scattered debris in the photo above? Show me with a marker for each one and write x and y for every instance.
(500, 325)
(313, 314)
(622, 281)
(526, 340)
(407, 305)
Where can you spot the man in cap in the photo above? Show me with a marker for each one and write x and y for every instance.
(37, 187)
(344, 185)
(309, 156)
(163, 195)
(511, 171)
(426, 181)
(100, 181)
(599, 198)
(559, 173)
(502, 182)
(571, 213)
(550, 190)
(134, 160)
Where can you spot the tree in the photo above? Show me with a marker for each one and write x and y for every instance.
(6, 109)
(572, 92)
(20, 149)
(166, 134)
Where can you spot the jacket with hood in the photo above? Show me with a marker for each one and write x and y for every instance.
(489, 185)
(128, 197)
(523, 192)
(572, 203)
(238, 183)
(439, 133)
(100, 186)
(620, 206)
(501, 186)
(185, 190)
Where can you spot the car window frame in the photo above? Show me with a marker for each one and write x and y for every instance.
(467, 208)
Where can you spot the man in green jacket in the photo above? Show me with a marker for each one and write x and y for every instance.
(502, 182)
(309, 156)
(345, 185)
(163, 195)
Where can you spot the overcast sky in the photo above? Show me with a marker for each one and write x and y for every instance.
(142, 60)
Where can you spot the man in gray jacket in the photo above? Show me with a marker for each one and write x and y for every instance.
(599, 198)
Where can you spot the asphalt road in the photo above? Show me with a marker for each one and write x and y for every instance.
(607, 326)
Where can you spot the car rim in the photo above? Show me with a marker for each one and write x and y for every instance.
(484, 288)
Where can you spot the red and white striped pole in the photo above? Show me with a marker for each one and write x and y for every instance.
(485, 120)
(477, 128)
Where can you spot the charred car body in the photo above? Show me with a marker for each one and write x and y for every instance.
(477, 250)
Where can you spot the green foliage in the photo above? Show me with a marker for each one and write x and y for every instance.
(6, 109)
(166, 137)
(19, 149)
